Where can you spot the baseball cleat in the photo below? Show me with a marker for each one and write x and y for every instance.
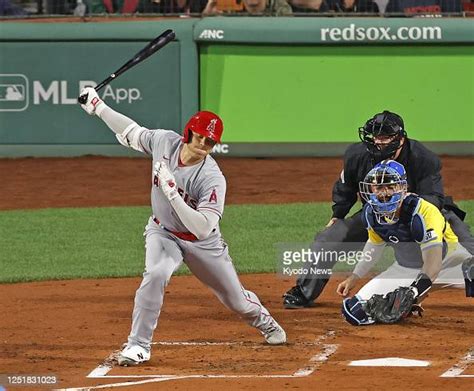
(133, 355)
(294, 299)
(274, 333)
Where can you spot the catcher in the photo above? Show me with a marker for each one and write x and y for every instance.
(426, 249)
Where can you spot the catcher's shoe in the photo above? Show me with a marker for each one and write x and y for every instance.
(273, 333)
(133, 355)
(294, 298)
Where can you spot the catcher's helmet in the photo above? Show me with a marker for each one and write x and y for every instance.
(384, 188)
(206, 124)
(383, 124)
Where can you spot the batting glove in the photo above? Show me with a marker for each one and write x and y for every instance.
(93, 105)
(166, 180)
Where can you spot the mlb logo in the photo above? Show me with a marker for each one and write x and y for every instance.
(13, 92)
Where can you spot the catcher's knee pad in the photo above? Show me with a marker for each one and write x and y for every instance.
(354, 313)
(468, 273)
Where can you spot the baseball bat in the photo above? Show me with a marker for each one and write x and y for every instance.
(162, 40)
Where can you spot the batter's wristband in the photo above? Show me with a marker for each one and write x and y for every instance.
(99, 108)
(422, 284)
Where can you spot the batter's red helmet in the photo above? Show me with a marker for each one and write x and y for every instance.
(206, 124)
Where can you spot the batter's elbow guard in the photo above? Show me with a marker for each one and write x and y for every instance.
(468, 273)
(354, 313)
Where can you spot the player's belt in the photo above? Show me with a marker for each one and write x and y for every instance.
(182, 235)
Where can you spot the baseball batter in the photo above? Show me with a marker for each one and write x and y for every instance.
(187, 197)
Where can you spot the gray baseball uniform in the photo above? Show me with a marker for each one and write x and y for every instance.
(168, 242)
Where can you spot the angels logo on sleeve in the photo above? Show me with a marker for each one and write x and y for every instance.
(213, 197)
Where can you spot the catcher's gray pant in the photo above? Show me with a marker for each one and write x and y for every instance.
(208, 260)
(397, 275)
(351, 230)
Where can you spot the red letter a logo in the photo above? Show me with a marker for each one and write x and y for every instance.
(213, 197)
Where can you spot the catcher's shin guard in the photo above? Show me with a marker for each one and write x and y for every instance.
(468, 273)
(353, 311)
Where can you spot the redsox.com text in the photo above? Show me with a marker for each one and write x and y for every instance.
(353, 33)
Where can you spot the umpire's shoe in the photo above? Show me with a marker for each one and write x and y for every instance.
(294, 298)
(133, 355)
(468, 272)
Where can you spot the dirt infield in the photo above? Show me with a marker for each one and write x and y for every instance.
(68, 328)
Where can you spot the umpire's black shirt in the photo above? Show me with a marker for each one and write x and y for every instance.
(423, 175)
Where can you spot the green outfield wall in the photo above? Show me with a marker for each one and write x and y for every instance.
(306, 88)
(284, 86)
(322, 94)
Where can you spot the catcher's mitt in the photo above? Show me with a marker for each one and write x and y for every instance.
(392, 307)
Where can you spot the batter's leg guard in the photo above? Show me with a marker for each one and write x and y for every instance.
(468, 273)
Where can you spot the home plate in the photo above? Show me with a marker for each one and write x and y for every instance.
(389, 362)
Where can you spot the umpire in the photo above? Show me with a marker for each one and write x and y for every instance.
(383, 137)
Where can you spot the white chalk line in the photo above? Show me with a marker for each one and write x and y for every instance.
(105, 367)
(101, 371)
(157, 379)
(316, 361)
(244, 344)
(457, 369)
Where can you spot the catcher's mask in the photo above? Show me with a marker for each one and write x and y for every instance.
(206, 124)
(386, 124)
(384, 188)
